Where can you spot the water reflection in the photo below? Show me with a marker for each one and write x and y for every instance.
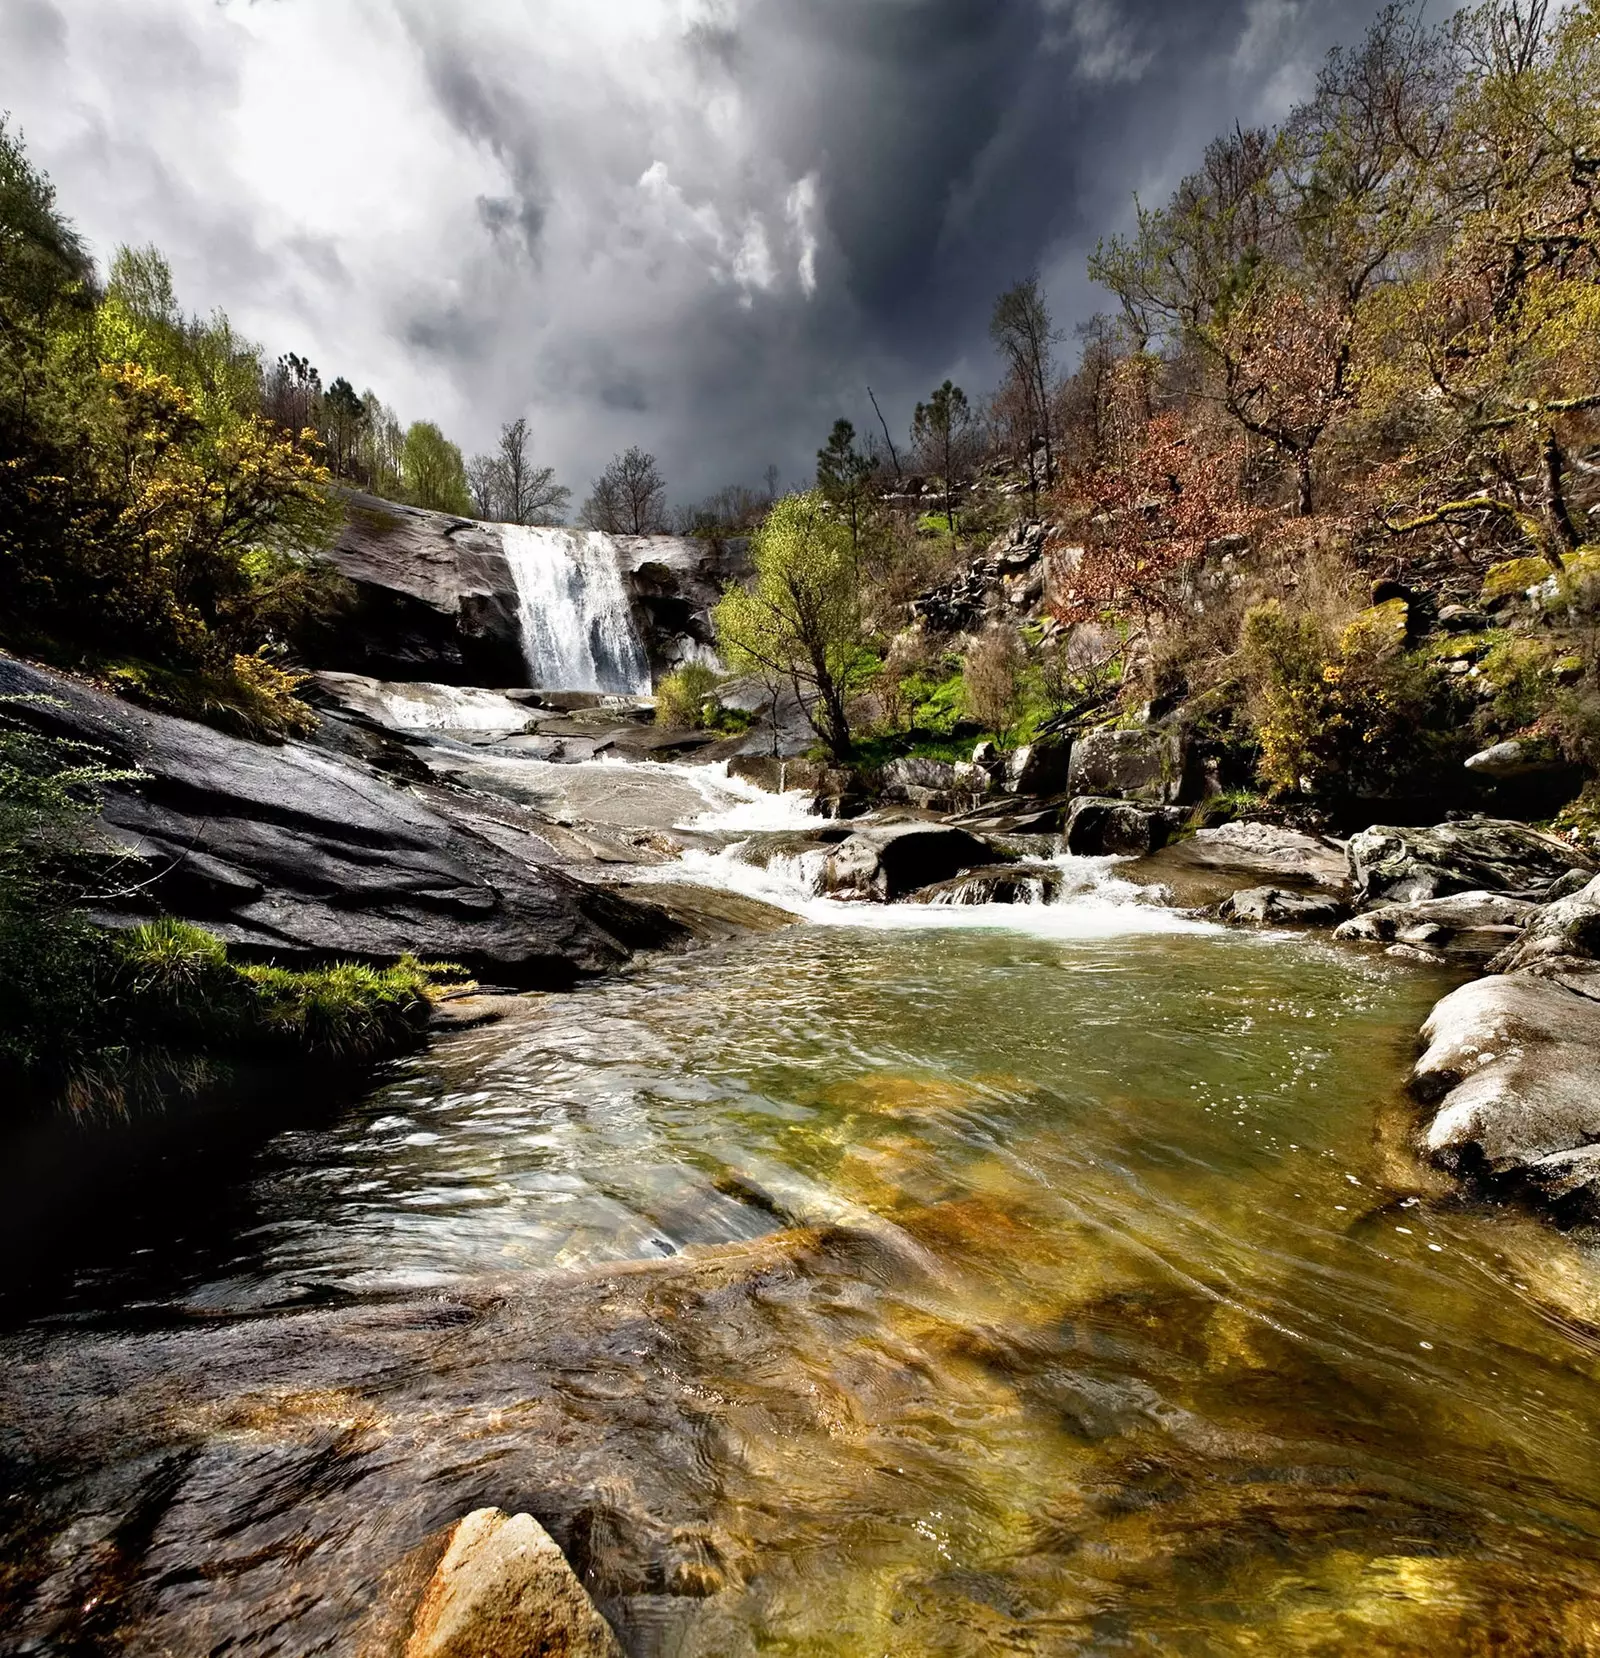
(1013, 1294)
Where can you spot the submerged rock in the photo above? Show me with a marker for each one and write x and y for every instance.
(505, 1590)
(1469, 925)
(1510, 1068)
(1401, 865)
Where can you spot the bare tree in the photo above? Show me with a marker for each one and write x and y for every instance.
(510, 489)
(1020, 327)
(629, 497)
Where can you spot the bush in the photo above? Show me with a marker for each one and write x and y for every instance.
(1346, 712)
(682, 698)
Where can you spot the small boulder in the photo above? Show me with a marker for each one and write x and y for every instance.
(1401, 865)
(505, 1589)
(1272, 907)
(1470, 926)
(1099, 827)
(1515, 761)
(1460, 618)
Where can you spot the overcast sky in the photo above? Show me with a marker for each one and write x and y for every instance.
(704, 226)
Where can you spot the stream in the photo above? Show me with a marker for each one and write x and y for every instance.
(1039, 1279)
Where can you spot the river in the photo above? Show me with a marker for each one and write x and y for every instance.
(1053, 1281)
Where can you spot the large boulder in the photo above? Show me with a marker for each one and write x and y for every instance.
(1509, 1068)
(1038, 768)
(1099, 827)
(504, 1590)
(1401, 865)
(1282, 857)
(1471, 926)
(299, 855)
(1147, 763)
(1561, 942)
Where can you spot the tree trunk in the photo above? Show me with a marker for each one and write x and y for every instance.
(1304, 504)
(1563, 534)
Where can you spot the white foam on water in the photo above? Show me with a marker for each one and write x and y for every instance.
(1092, 902)
(577, 629)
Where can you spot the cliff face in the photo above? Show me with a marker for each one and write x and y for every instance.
(435, 598)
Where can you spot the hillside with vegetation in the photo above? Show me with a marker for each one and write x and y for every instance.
(1318, 488)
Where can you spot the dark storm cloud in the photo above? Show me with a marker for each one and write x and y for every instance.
(700, 225)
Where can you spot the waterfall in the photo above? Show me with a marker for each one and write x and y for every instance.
(577, 631)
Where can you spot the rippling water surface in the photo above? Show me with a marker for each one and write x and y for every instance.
(1089, 1302)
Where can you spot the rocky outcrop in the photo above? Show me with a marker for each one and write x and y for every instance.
(299, 855)
(1401, 865)
(1006, 580)
(1469, 926)
(504, 1590)
(1147, 763)
(1509, 1070)
(1561, 942)
(433, 599)
(673, 585)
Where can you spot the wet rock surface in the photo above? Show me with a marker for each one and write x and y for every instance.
(880, 862)
(1471, 926)
(1509, 1070)
(504, 1588)
(1275, 907)
(1401, 865)
(300, 855)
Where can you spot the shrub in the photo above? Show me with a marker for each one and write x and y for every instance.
(992, 690)
(1345, 711)
(682, 698)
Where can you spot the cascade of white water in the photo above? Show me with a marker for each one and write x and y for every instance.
(577, 632)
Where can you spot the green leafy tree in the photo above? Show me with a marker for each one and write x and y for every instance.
(800, 621)
(941, 432)
(844, 475)
(434, 474)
